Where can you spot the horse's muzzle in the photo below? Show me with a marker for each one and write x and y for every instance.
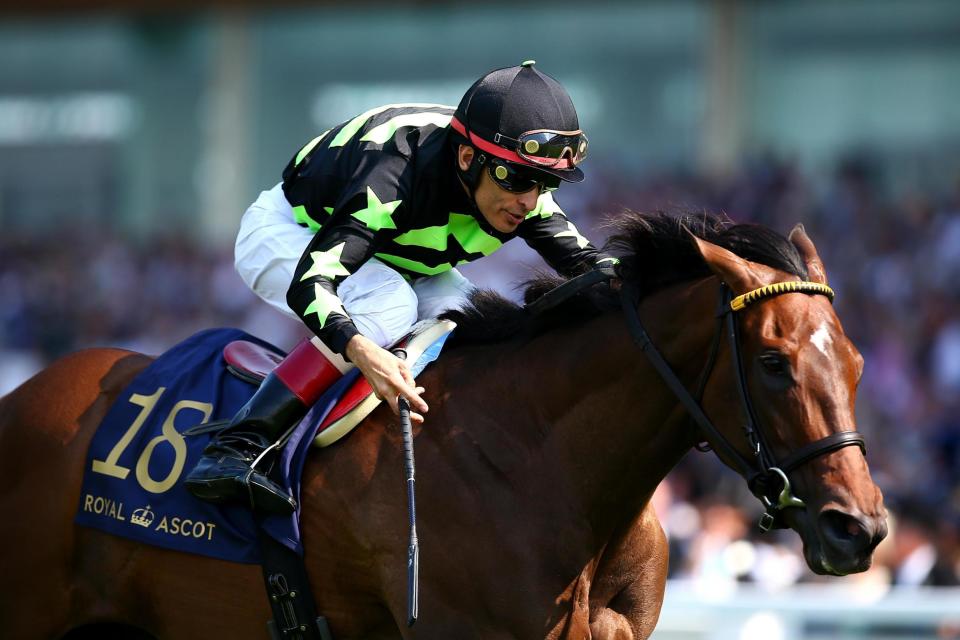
(848, 541)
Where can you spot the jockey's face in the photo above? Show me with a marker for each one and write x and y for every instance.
(502, 209)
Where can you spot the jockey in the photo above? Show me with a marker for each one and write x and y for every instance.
(362, 237)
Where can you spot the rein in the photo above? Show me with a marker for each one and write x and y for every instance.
(766, 477)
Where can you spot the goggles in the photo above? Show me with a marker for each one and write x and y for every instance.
(519, 179)
(546, 148)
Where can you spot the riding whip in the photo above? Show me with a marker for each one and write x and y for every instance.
(413, 550)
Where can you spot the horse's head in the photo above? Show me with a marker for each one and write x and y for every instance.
(801, 374)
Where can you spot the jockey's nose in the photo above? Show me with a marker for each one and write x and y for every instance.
(528, 200)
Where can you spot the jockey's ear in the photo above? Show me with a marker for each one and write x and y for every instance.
(465, 155)
(739, 274)
(808, 252)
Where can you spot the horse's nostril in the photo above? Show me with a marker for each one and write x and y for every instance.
(847, 534)
(853, 527)
(844, 529)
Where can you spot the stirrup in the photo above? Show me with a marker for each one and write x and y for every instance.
(266, 496)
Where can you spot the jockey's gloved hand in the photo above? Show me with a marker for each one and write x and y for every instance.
(605, 262)
(388, 375)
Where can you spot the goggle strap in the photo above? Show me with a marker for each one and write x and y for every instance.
(491, 148)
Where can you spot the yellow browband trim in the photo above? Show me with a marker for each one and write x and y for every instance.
(771, 290)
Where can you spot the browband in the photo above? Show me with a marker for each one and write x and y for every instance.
(770, 290)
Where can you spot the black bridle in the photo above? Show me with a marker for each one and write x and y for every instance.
(766, 476)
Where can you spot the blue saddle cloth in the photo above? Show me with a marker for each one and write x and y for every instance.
(132, 481)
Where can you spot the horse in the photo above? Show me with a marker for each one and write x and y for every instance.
(546, 438)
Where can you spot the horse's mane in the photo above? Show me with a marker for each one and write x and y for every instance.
(655, 251)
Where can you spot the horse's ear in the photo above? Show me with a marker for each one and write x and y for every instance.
(729, 267)
(815, 271)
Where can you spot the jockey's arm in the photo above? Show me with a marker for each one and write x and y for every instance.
(548, 232)
(343, 245)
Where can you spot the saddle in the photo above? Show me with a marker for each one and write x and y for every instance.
(252, 363)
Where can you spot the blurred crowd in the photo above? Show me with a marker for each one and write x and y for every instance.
(892, 257)
(73, 288)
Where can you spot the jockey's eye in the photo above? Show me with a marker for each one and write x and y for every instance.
(775, 364)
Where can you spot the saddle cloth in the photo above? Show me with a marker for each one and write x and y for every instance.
(132, 479)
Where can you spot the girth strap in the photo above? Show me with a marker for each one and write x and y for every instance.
(288, 590)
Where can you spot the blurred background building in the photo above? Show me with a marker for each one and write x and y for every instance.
(133, 136)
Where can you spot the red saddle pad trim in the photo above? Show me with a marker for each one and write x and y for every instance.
(356, 394)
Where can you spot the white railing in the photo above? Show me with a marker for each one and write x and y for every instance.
(725, 611)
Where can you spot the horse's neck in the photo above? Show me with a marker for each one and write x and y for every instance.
(592, 425)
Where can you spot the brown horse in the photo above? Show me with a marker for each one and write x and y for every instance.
(545, 441)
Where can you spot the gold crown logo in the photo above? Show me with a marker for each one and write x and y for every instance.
(143, 516)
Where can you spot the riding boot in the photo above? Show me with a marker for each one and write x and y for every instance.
(232, 468)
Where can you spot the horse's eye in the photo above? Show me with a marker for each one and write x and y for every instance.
(775, 364)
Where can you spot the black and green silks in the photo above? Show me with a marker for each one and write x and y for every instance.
(384, 184)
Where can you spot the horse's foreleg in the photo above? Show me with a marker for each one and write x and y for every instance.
(610, 625)
(628, 588)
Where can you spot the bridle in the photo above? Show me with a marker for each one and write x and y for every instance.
(767, 477)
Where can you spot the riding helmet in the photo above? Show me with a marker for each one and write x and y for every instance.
(513, 114)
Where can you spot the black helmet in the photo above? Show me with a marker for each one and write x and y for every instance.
(524, 117)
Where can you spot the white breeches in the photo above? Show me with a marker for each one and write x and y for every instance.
(379, 301)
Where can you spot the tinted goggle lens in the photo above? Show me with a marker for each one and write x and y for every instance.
(518, 180)
(551, 148)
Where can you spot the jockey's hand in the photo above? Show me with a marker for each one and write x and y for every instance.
(388, 375)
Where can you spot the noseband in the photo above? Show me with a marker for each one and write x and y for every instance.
(766, 476)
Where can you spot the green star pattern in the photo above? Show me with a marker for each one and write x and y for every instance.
(378, 215)
(326, 264)
(300, 216)
(324, 304)
(462, 227)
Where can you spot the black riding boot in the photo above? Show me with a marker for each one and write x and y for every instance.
(226, 472)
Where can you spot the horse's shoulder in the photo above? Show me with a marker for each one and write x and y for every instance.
(107, 369)
(62, 392)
